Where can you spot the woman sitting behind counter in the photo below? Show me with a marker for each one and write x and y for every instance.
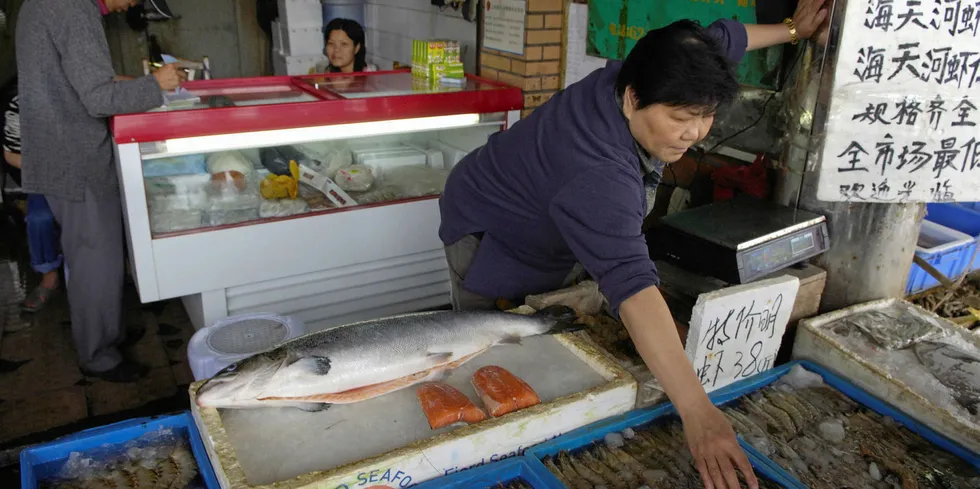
(344, 47)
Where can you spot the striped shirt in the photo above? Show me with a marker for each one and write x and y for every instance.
(11, 127)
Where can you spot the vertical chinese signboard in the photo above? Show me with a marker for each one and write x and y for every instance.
(902, 120)
(616, 25)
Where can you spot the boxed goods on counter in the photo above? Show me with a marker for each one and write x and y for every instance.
(437, 60)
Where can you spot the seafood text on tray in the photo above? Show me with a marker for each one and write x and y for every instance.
(827, 441)
(372, 358)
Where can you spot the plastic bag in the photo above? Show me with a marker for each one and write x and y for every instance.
(178, 165)
(416, 181)
(326, 159)
(228, 161)
(282, 208)
(356, 178)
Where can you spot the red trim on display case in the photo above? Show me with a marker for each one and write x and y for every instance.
(330, 108)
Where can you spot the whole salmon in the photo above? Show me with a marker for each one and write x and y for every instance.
(371, 358)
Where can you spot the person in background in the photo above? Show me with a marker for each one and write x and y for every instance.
(42, 230)
(68, 91)
(567, 186)
(344, 47)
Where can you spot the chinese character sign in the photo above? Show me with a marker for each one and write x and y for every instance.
(736, 332)
(903, 116)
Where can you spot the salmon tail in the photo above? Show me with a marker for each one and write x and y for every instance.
(563, 318)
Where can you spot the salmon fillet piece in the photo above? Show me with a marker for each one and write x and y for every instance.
(444, 405)
(503, 392)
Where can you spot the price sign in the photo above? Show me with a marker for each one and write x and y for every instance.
(902, 121)
(736, 332)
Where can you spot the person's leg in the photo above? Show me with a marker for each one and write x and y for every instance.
(92, 240)
(43, 241)
(460, 255)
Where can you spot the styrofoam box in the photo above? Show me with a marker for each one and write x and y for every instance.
(300, 13)
(295, 65)
(550, 364)
(896, 376)
(302, 41)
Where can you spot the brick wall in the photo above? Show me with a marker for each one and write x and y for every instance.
(538, 71)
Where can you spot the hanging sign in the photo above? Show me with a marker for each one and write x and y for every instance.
(902, 121)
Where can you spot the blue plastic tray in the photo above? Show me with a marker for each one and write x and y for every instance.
(740, 389)
(597, 431)
(963, 217)
(488, 476)
(40, 461)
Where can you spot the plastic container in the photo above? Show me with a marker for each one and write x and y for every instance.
(42, 461)
(300, 13)
(343, 9)
(948, 250)
(961, 217)
(490, 476)
(971, 205)
(740, 389)
(236, 338)
(596, 432)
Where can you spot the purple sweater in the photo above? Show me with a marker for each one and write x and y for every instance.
(563, 186)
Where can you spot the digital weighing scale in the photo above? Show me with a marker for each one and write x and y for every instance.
(739, 240)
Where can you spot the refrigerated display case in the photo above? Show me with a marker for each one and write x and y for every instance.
(214, 214)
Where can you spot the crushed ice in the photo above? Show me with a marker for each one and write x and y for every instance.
(801, 378)
(874, 472)
(832, 430)
(615, 440)
(147, 451)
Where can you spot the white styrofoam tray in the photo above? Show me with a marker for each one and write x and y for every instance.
(897, 376)
(387, 440)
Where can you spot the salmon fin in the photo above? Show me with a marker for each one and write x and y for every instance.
(439, 358)
(313, 407)
(315, 365)
(510, 340)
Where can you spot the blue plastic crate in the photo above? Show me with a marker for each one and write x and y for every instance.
(961, 217)
(742, 388)
(597, 431)
(489, 476)
(42, 461)
(970, 205)
(948, 250)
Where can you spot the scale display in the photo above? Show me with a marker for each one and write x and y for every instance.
(739, 240)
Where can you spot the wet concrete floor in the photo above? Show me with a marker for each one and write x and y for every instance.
(43, 395)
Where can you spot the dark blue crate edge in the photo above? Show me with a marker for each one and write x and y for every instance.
(99, 436)
(528, 469)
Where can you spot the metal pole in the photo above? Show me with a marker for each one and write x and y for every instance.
(872, 245)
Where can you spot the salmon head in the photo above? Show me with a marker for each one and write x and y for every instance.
(242, 384)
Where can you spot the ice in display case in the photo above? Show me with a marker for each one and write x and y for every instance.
(312, 196)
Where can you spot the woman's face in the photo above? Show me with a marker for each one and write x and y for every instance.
(341, 50)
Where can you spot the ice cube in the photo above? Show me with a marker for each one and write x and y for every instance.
(615, 440)
(629, 434)
(801, 378)
(874, 472)
(832, 430)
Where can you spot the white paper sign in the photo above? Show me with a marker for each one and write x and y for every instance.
(736, 332)
(503, 27)
(578, 64)
(903, 120)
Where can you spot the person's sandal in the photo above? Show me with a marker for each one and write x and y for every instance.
(37, 299)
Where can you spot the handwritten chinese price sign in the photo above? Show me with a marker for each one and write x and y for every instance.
(735, 332)
(903, 115)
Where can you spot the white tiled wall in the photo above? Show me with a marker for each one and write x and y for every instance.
(392, 25)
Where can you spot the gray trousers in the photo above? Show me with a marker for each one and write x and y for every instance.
(92, 242)
(460, 255)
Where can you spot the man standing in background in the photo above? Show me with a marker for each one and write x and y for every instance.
(68, 90)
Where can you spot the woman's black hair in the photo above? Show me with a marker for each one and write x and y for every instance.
(680, 65)
(356, 33)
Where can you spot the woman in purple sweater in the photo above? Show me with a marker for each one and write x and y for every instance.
(566, 186)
